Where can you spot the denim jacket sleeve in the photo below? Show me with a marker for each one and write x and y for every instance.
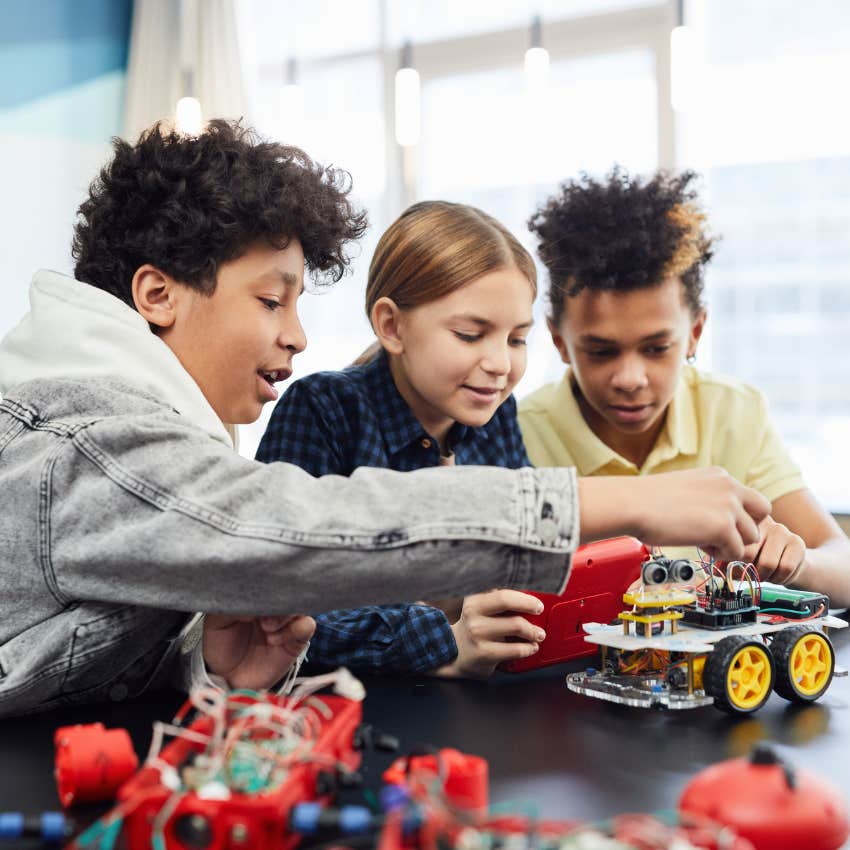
(149, 510)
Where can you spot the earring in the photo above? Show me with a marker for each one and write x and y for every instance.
(691, 359)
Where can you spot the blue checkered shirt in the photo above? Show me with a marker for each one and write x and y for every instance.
(334, 422)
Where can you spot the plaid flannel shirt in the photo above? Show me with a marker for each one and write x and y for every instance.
(335, 422)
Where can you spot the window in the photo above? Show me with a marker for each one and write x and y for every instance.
(484, 141)
(435, 20)
(340, 120)
(762, 120)
(483, 144)
(766, 127)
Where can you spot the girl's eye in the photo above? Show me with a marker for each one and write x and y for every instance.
(601, 354)
(269, 304)
(467, 337)
(518, 341)
(658, 350)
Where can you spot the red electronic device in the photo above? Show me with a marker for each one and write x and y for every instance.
(464, 778)
(226, 782)
(601, 573)
(770, 803)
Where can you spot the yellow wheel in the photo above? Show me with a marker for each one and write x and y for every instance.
(805, 661)
(699, 667)
(739, 674)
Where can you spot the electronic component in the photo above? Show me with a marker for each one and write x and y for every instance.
(231, 777)
(727, 611)
(660, 570)
(254, 771)
(727, 642)
(655, 571)
(681, 570)
(796, 604)
(727, 601)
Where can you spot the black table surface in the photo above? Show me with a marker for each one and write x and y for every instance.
(549, 750)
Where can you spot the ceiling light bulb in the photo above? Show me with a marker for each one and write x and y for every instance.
(407, 109)
(188, 116)
(682, 66)
(537, 67)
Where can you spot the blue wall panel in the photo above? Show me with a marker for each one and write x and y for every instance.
(50, 45)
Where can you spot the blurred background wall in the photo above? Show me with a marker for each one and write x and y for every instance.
(751, 93)
(62, 80)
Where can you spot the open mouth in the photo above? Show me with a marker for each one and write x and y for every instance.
(275, 376)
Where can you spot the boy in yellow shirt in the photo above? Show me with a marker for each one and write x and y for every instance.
(626, 260)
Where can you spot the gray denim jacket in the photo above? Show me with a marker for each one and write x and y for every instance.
(123, 508)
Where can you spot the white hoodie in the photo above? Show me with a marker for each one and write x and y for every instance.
(76, 330)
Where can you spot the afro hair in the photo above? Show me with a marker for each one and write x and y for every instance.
(187, 204)
(621, 234)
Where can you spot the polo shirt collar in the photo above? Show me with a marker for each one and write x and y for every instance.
(399, 427)
(678, 436)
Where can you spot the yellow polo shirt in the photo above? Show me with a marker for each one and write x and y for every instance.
(712, 421)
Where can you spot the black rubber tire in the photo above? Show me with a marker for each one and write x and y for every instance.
(782, 649)
(716, 671)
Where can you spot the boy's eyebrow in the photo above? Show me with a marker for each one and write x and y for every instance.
(592, 339)
(286, 278)
(486, 323)
(289, 279)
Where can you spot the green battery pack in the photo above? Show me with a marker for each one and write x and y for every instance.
(793, 603)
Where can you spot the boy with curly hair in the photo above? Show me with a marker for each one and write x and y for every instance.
(123, 506)
(626, 260)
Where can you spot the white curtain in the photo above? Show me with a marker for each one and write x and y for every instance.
(172, 37)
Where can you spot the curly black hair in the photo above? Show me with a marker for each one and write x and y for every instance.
(622, 233)
(187, 204)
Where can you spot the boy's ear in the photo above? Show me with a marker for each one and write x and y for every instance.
(386, 316)
(697, 327)
(153, 295)
(558, 341)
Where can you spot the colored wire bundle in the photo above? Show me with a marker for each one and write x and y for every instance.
(238, 742)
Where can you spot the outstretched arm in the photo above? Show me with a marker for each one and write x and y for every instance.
(214, 532)
(704, 507)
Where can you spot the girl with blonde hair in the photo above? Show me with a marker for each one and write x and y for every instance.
(449, 295)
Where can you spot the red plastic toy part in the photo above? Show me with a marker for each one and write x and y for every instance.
(465, 778)
(769, 803)
(233, 819)
(92, 762)
(601, 573)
